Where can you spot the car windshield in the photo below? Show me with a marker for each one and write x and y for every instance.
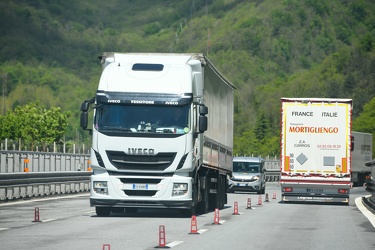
(249, 167)
(142, 119)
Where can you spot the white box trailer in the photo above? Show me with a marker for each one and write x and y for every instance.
(162, 135)
(362, 153)
(315, 149)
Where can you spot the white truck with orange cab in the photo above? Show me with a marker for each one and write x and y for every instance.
(162, 133)
(316, 145)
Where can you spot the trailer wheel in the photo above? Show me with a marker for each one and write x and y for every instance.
(221, 191)
(202, 206)
(214, 198)
(103, 211)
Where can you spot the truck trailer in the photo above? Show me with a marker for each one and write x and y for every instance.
(316, 145)
(362, 153)
(162, 133)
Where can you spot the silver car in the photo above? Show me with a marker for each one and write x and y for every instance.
(248, 175)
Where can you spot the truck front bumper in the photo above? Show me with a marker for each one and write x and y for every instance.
(246, 186)
(183, 204)
(315, 198)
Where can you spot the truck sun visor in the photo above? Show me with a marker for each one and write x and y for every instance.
(147, 67)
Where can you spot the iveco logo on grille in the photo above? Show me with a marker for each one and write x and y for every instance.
(141, 151)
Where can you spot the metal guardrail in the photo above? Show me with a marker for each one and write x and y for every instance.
(272, 175)
(58, 173)
(370, 187)
(19, 161)
(26, 185)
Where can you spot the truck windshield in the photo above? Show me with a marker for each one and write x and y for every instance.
(251, 167)
(142, 119)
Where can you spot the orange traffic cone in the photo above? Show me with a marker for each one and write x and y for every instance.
(193, 227)
(217, 217)
(260, 200)
(36, 215)
(162, 241)
(235, 208)
(249, 204)
(266, 199)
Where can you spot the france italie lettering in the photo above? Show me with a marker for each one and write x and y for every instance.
(310, 114)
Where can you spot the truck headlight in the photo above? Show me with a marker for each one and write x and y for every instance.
(100, 187)
(179, 189)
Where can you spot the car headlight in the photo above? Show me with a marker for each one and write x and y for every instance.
(179, 189)
(256, 177)
(100, 187)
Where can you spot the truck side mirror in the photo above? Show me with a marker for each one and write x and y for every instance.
(202, 123)
(351, 143)
(203, 110)
(84, 120)
(85, 106)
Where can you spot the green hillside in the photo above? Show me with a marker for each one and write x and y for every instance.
(268, 49)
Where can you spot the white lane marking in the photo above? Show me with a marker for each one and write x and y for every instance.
(220, 222)
(48, 220)
(89, 212)
(200, 231)
(174, 243)
(4, 228)
(370, 216)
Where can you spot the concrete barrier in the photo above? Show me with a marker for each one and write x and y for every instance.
(272, 175)
(27, 185)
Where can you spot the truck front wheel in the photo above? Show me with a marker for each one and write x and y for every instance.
(262, 190)
(188, 212)
(103, 211)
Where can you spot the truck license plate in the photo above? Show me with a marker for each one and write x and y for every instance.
(311, 190)
(140, 186)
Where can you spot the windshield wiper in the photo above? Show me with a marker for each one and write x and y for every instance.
(107, 128)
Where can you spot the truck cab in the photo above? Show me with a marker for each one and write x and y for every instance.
(248, 175)
(153, 143)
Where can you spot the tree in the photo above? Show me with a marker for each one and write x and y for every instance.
(366, 121)
(34, 124)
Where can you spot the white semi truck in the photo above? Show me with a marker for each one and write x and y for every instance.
(162, 133)
(362, 153)
(316, 145)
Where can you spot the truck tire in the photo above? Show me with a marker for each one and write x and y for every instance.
(214, 201)
(213, 198)
(262, 190)
(187, 212)
(221, 191)
(103, 211)
(202, 206)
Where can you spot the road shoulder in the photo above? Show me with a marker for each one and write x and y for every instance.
(365, 210)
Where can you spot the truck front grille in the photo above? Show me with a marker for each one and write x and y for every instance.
(140, 181)
(140, 192)
(242, 180)
(123, 161)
